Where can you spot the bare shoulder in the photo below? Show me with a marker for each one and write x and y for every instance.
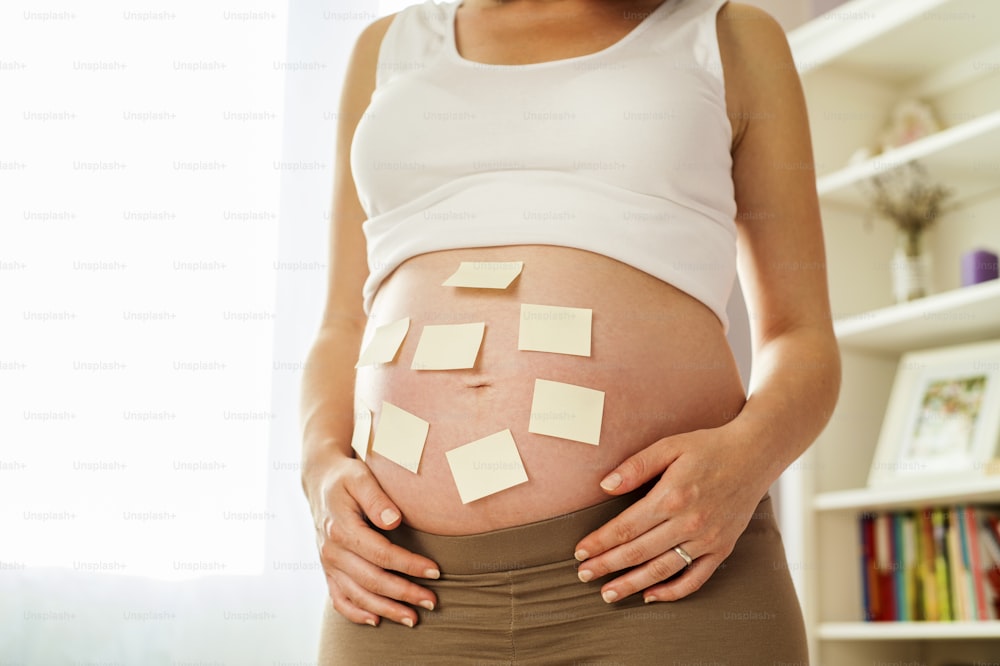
(751, 32)
(359, 82)
(366, 48)
(757, 62)
(371, 36)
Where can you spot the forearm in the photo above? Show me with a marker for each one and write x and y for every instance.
(794, 388)
(327, 398)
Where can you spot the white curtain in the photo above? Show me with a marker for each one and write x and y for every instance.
(165, 178)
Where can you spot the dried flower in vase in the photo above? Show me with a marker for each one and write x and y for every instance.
(906, 197)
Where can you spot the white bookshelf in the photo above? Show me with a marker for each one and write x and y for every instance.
(908, 631)
(952, 317)
(977, 491)
(951, 155)
(856, 63)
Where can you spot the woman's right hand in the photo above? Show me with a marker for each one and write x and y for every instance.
(363, 569)
(356, 559)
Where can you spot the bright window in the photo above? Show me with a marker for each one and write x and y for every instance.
(138, 244)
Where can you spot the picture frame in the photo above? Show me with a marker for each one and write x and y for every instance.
(942, 424)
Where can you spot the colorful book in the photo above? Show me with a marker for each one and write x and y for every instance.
(958, 572)
(990, 540)
(909, 567)
(899, 569)
(939, 522)
(940, 564)
(884, 573)
(972, 551)
(869, 585)
(931, 609)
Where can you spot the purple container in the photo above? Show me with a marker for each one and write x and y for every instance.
(978, 266)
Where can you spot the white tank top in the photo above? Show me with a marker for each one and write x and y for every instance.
(624, 152)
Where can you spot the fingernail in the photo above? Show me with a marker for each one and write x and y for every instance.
(429, 605)
(609, 596)
(432, 573)
(650, 599)
(585, 575)
(581, 555)
(611, 481)
(371, 622)
(408, 622)
(388, 516)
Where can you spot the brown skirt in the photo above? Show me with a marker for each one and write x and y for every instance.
(511, 598)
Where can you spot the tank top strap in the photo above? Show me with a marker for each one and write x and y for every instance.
(685, 32)
(688, 11)
(415, 37)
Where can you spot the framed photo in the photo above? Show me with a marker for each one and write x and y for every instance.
(943, 419)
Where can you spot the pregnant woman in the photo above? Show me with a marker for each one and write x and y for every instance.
(561, 466)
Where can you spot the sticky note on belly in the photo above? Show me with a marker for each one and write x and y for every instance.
(385, 343)
(400, 437)
(362, 431)
(559, 330)
(448, 347)
(486, 466)
(485, 274)
(566, 411)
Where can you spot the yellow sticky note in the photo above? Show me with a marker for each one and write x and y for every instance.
(485, 274)
(486, 466)
(566, 411)
(362, 431)
(400, 437)
(448, 347)
(385, 343)
(550, 328)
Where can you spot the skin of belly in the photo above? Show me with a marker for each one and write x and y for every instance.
(660, 356)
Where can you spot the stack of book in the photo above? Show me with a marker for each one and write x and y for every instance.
(940, 564)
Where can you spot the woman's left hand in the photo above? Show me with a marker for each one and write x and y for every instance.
(706, 494)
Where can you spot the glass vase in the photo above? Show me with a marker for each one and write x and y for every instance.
(911, 267)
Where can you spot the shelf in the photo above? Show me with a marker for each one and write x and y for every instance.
(952, 317)
(916, 495)
(963, 157)
(877, 37)
(857, 62)
(896, 631)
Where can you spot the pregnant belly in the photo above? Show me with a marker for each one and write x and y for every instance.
(659, 356)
